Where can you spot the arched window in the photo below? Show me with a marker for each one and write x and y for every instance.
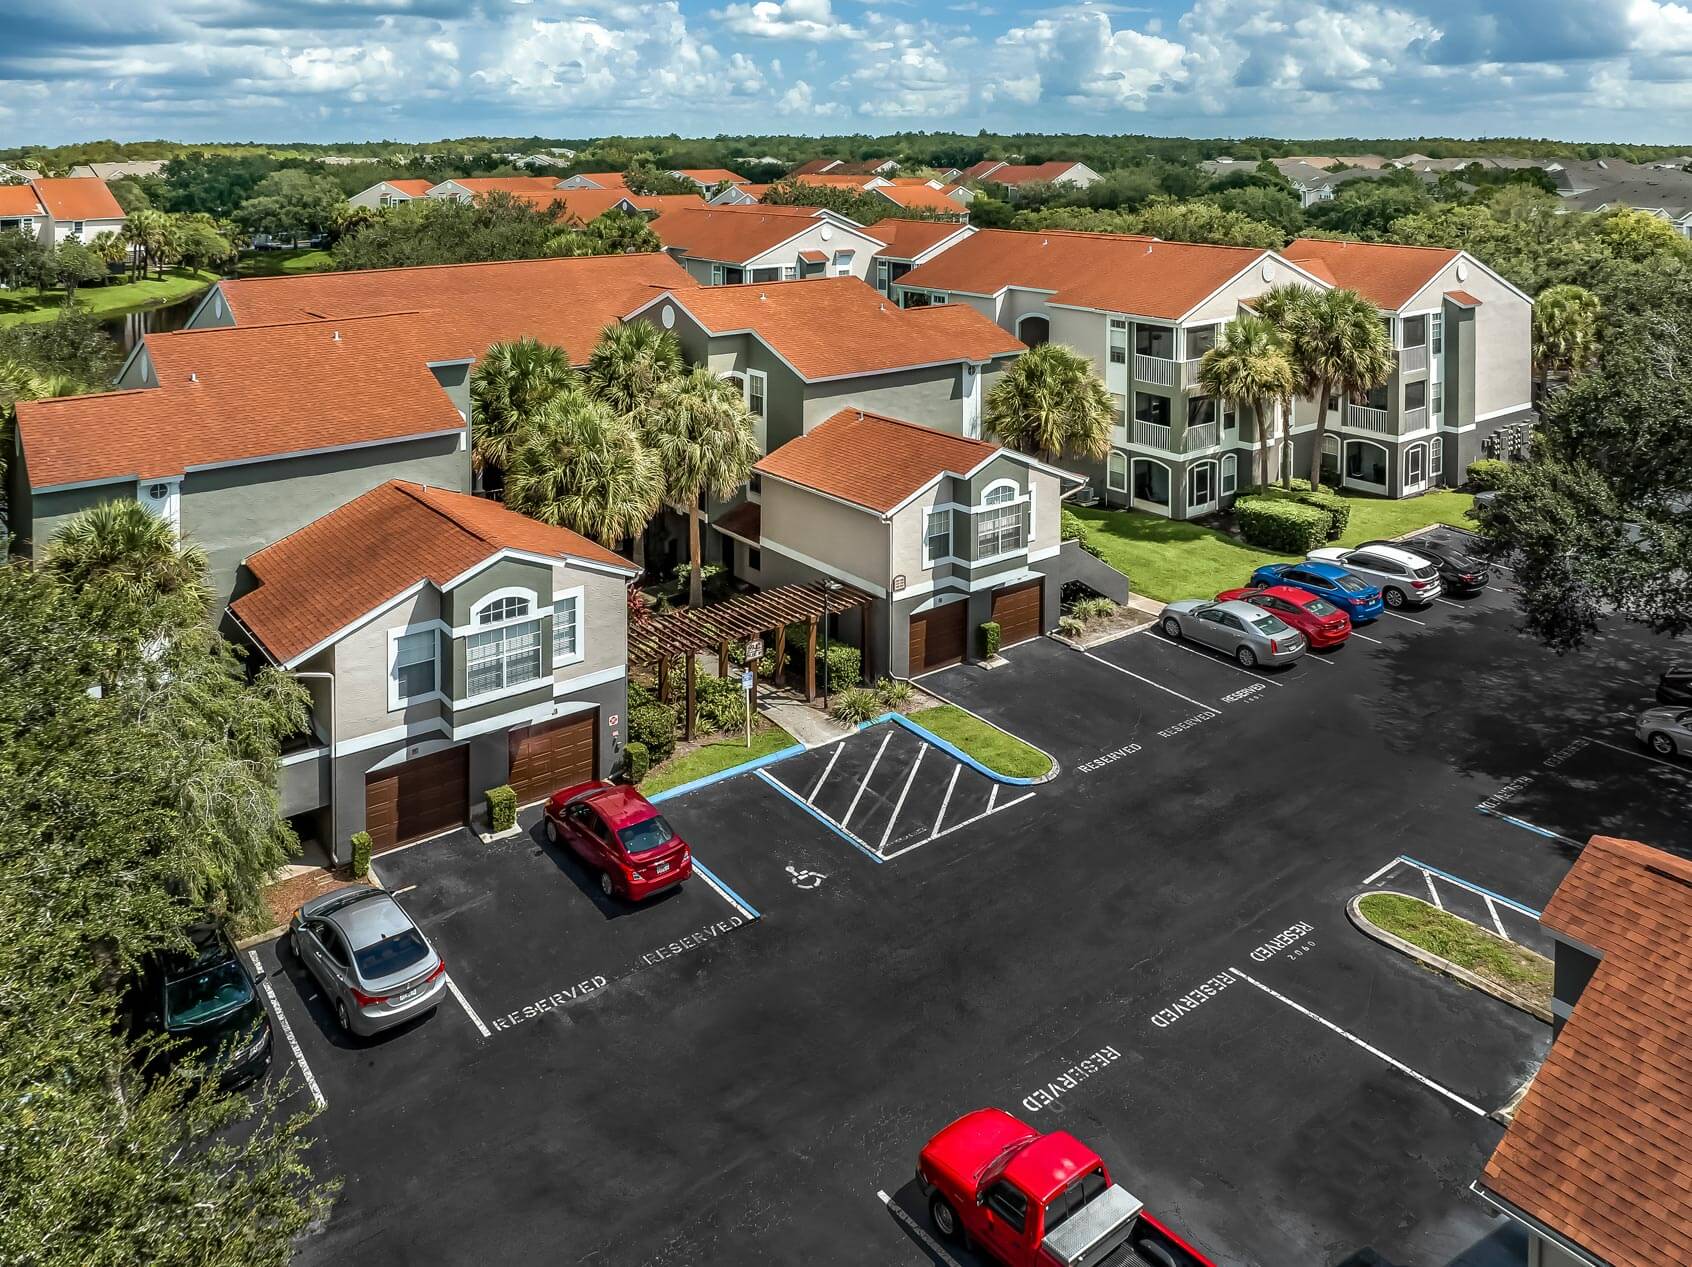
(1230, 474)
(508, 608)
(1365, 463)
(1116, 472)
(999, 493)
(999, 524)
(1415, 466)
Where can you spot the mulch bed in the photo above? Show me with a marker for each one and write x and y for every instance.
(286, 896)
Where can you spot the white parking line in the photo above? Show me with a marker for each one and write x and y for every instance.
(916, 1229)
(1315, 659)
(1412, 620)
(946, 800)
(827, 770)
(1373, 1051)
(1449, 603)
(1389, 866)
(1496, 922)
(992, 797)
(1643, 756)
(288, 1033)
(868, 775)
(1496, 590)
(1367, 638)
(903, 793)
(1225, 661)
(1433, 892)
(1148, 681)
(452, 986)
(997, 809)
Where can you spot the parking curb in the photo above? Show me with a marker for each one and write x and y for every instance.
(959, 755)
(745, 767)
(1438, 963)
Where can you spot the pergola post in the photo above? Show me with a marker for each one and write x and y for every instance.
(780, 653)
(811, 658)
(723, 658)
(664, 678)
(692, 674)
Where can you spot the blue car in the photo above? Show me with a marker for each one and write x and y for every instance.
(1352, 595)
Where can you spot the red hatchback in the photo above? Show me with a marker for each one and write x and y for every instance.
(1313, 616)
(619, 833)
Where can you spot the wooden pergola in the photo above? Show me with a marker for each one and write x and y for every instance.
(686, 631)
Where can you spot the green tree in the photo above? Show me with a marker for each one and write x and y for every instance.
(212, 183)
(1337, 346)
(149, 232)
(1264, 205)
(129, 194)
(1368, 208)
(202, 242)
(1565, 330)
(109, 245)
(121, 556)
(508, 388)
(700, 431)
(644, 178)
(614, 233)
(288, 203)
(76, 265)
(73, 345)
(446, 231)
(578, 465)
(1051, 402)
(631, 363)
(1248, 368)
(25, 260)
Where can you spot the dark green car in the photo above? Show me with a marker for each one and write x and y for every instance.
(206, 1003)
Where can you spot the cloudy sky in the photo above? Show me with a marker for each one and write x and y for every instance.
(330, 70)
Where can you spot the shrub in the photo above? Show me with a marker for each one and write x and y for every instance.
(1326, 500)
(990, 636)
(1283, 526)
(637, 760)
(720, 703)
(1486, 474)
(845, 666)
(1091, 609)
(502, 808)
(856, 705)
(654, 727)
(1074, 528)
(361, 854)
(640, 693)
(1071, 626)
(893, 694)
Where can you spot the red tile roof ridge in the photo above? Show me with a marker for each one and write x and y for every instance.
(202, 331)
(1392, 246)
(424, 268)
(928, 433)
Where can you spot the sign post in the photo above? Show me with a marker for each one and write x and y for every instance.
(746, 678)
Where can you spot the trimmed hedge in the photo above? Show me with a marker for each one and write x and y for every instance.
(1071, 527)
(845, 666)
(502, 808)
(1486, 474)
(1283, 526)
(1326, 500)
(361, 854)
(654, 727)
(637, 760)
(990, 636)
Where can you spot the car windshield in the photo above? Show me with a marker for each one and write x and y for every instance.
(394, 953)
(1268, 624)
(644, 837)
(1320, 607)
(204, 996)
(1350, 584)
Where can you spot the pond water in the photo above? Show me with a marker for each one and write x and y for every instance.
(127, 328)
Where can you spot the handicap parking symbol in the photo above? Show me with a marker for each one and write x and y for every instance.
(805, 879)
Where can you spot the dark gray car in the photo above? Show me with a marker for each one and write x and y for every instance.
(1241, 630)
(373, 963)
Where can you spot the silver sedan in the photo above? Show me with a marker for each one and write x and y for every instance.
(373, 963)
(1667, 731)
(1246, 632)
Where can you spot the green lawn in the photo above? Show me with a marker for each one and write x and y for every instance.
(276, 263)
(713, 758)
(105, 301)
(989, 745)
(1504, 963)
(1168, 559)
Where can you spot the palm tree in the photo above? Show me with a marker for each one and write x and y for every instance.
(700, 430)
(580, 466)
(19, 381)
(511, 384)
(1338, 346)
(630, 363)
(1565, 330)
(1051, 402)
(1248, 368)
(126, 550)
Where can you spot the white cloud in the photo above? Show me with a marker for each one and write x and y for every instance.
(1077, 56)
(798, 103)
(810, 20)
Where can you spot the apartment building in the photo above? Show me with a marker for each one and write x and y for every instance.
(70, 209)
(729, 246)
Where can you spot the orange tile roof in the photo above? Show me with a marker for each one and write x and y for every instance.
(831, 181)
(872, 460)
(1023, 174)
(341, 567)
(239, 393)
(907, 239)
(711, 175)
(564, 301)
(731, 236)
(922, 196)
(20, 200)
(605, 180)
(1599, 1147)
(503, 184)
(1462, 297)
(814, 257)
(78, 198)
(1385, 274)
(416, 188)
(835, 327)
(1115, 272)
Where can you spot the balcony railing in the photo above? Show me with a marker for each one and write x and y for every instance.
(1413, 360)
(1367, 419)
(1204, 435)
(1415, 419)
(1153, 435)
(1155, 370)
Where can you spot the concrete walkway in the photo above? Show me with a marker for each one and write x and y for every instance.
(810, 726)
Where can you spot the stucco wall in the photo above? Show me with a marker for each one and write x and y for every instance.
(931, 396)
(1503, 326)
(853, 542)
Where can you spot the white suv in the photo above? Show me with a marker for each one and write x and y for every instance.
(1403, 577)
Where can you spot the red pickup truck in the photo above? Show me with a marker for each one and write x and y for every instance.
(1033, 1200)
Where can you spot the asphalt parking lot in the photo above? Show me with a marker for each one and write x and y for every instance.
(744, 1070)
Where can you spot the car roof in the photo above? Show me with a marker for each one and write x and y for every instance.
(369, 921)
(211, 947)
(1291, 593)
(1321, 567)
(1241, 608)
(1396, 553)
(621, 805)
(1050, 1164)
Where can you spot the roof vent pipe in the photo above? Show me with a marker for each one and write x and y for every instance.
(336, 337)
(193, 377)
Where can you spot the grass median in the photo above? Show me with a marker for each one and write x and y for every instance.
(1514, 968)
(999, 751)
(714, 757)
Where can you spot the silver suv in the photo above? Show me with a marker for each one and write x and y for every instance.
(1403, 577)
(373, 963)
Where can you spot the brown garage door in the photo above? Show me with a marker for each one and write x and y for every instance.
(1016, 609)
(553, 755)
(420, 798)
(938, 636)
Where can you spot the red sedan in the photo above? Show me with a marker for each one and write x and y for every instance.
(619, 833)
(1316, 618)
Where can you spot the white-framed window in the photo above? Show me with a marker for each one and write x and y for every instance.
(758, 394)
(881, 282)
(1436, 458)
(1230, 474)
(502, 658)
(566, 627)
(1119, 340)
(843, 263)
(936, 297)
(414, 666)
(1116, 472)
(789, 272)
(717, 275)
(1436, 333)
(76, 228)
(1436, 406)
(510, 607)
(998, 522)
(1416, 464)
(1201, 484)
(936, 536)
